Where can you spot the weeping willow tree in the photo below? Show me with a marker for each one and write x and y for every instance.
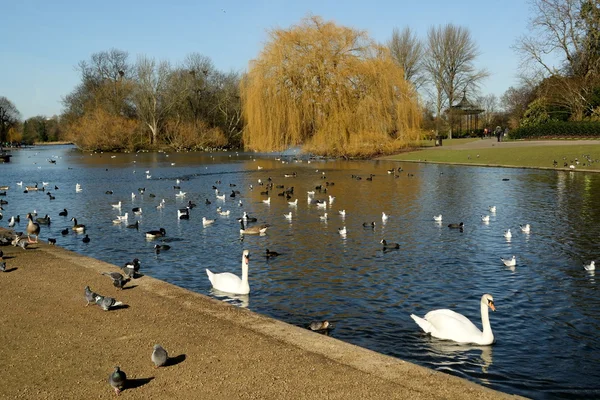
(330, 89)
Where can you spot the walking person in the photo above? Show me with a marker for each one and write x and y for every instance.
(498, 132)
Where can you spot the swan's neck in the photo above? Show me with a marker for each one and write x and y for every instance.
(244, 269)
(485, 322)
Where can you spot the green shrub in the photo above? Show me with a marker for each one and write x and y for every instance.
(558, 130)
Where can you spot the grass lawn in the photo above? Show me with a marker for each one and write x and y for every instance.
(534, 156)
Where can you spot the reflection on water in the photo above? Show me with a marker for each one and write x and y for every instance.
(548, 307)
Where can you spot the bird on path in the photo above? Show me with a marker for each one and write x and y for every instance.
(118, 280)
(159, 356)
(131, 268)
(117, 380)
(90, 296)
(106, 303)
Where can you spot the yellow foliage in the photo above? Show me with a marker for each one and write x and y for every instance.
(99, 130)
(188, 135)
(329, 88)
(13, 135)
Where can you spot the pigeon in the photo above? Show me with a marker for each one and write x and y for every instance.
(132, 268)
(2, 265)
(117, 380)
(107, 302)
(90, 296)
(118, 280)
(159, 356)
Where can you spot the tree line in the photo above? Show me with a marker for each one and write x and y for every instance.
(329, 88)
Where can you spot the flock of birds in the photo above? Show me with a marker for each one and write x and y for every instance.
(443, 323)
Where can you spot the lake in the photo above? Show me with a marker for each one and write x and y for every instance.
(548, 307)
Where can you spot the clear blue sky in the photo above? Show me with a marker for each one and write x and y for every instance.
(43, 41)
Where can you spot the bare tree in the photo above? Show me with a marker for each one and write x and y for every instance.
(449, 61)
(408, 50)
(564, 42)
(155, 94)
(9, 117)
(489, 104)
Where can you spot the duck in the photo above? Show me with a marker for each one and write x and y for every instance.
(156, 233)
(369, 225)
(231, 283)
(131, 268)
(86, 239)
(456, 226)
(77, 227)
(507, 234)
(510, 262)
(161, 247)
(183, 213)
(485, 218)
(389, 246)
(270, 253)
(33, 228)
(320, 326)
(252, 230)
(248, 218)
(63, 213)
(11, 221)
(590, 267)
(137, 210)
(64, 232)
(206, 221)
(43, 220)
(450, 325)
(525, 228)
(135, 225)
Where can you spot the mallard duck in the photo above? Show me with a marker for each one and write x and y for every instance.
(77, 227)
(33, 228)
(155, 234)
(253, 230)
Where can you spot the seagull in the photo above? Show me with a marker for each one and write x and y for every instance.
(525, 228)
(485, 218)
(293, 203)
(342, 231)
(590, 267)
(342, 213)
(288, 216)
(507, 234)
(384, 217)
(323, 217)
(206, 221)
(492, 209)
(511, 262)
(180, 194)
(267, 201)
(437, 218)
(118, 205)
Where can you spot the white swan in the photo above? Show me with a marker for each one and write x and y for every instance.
(231, 283)
(450, 325)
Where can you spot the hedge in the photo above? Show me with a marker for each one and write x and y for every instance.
(558, 130)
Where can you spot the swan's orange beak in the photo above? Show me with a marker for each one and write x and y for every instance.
(492, 306)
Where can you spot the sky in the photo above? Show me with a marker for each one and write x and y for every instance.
(43, 41)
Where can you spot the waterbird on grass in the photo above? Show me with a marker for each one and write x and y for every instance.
(449, 325)
(231, 283)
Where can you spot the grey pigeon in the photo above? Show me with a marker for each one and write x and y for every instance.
(107, 302)
(2, 265)
(118, 280)
(159, 356)
(117, 380)
(90, 296)
(132, 268)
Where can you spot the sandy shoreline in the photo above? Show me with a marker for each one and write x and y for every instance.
(56, 348)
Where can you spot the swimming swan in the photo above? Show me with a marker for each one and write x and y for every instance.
(450, 325)
(230, 283)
